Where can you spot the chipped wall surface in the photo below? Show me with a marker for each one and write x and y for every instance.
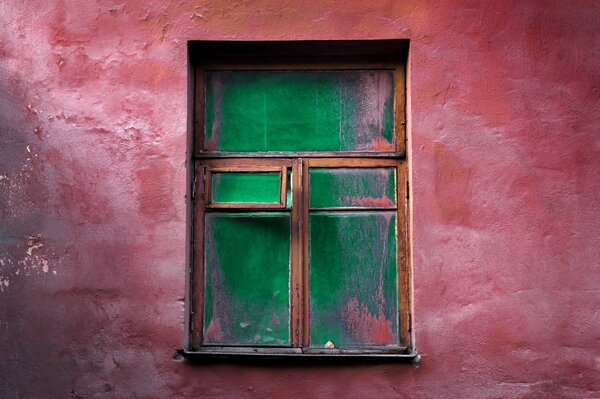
(505, 168)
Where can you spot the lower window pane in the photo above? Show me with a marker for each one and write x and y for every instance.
(353, 279)
(247, 276)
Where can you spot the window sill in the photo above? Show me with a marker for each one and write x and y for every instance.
(399, 354)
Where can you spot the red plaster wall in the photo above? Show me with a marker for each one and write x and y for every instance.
(505, 153)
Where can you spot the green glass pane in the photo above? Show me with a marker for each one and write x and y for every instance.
(352, 187)
(353, 279)
(299, 111)
(243, 187)
(247, 273)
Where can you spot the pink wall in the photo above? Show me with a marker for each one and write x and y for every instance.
(506, 187)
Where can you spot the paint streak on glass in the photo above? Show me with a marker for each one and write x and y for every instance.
(243, 187)
(247, 279)
(353, 279)
(251, 111)
(352, 187)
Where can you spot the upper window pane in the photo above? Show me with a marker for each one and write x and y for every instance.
(352, 188)
(262, 111)
(243, 187)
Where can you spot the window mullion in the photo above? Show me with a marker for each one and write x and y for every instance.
(304, 206)
(296, 276)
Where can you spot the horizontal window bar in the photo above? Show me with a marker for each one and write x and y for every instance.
(310, 154)
(352, 209)
(245, 208)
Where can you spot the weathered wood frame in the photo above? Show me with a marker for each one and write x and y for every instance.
(209, 171)
(206, 162)
(402, 232)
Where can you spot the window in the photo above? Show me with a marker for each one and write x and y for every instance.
(299, 233)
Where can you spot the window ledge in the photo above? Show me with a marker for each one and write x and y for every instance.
(399, 354)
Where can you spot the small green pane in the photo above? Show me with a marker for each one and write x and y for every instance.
(255, 111)
(353, 279)
(247, 276)
(352, 187)
(244, 187)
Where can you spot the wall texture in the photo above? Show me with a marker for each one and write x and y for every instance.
(505, 152)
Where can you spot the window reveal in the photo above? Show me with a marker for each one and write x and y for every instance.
(300, 213)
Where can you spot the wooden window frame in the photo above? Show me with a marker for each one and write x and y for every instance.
(205, 163)
(234, 168)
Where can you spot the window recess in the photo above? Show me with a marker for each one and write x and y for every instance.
(300, 222)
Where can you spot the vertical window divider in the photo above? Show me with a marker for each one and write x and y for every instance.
(197, 294)
(400, 109)
(402, 257)
(207, 186)
(296, 271)
(304, 225)
(283, 186)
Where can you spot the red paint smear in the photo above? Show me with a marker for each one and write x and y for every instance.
(275, 320)
(364, 327)
(375, 202)
(380, 144)
(212, 143)
(214, 332)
